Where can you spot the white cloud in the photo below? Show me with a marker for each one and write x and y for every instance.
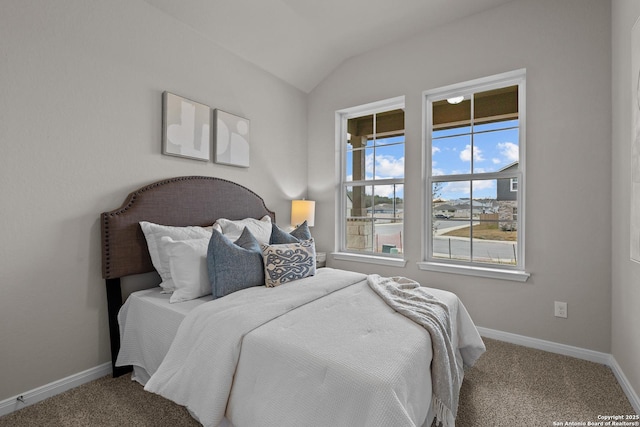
(456, 187)
(465, 155)
(510, 151)
(435, 150)
(484, 184)
(386, 166)
(386, 191)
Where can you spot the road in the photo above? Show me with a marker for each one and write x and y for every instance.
(460, 248)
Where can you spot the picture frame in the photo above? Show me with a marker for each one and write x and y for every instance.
(232, 139)
(186, 128)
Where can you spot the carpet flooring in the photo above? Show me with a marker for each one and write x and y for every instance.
(510, 385)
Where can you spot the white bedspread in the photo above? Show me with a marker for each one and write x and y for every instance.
(325, 350)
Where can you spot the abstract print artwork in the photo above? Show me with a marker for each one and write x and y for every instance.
(635, 144)
(186, 128)
(232, 139)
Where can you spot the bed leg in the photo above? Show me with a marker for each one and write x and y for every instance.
(114, 302)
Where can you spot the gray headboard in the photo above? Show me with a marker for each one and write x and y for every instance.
(181, 201)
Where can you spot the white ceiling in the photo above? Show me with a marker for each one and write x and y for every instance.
(302, 41)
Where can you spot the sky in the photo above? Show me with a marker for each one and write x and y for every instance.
(495, 146)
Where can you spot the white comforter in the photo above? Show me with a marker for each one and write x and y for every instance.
(325, 350)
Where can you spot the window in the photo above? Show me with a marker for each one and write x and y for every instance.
(474, 164)
(371, 190)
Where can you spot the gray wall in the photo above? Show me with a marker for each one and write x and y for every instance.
(80, 127)
(565, 47)
(626, 274)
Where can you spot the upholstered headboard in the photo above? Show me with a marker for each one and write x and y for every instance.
(181, 201)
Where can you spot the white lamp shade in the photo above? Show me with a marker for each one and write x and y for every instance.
(303, 210)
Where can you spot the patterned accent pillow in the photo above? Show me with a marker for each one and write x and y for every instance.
(279, 236)
(287, 262)
(233, 266)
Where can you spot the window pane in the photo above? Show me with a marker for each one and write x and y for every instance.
(451, 220)
(388, 212)
(388, 124)
(495, 105)
(359, 222)
(494, 234)
(447, 115)
(451, 239)
(495, 150)
(389, 161)
(451, 155)
(359, 130)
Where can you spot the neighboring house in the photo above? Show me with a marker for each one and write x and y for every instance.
(508, 200)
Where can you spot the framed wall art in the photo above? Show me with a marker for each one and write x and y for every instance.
(231, 139)
(186, 128)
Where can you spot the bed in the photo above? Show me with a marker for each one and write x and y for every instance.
(330, 348)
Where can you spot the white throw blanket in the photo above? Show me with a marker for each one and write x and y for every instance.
(408, 298)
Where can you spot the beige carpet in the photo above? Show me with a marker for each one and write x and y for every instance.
(509, 386)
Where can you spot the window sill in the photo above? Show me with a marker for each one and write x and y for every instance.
(370, 259)
(468, 270)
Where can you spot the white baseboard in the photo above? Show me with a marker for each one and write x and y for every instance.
(626, 386)
(550, 346)
(36, 395)
(568, 350)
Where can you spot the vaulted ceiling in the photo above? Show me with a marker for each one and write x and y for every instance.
(302, 41)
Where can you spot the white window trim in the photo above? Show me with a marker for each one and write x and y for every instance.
(341, 118)
(516, 273)
(370, 259)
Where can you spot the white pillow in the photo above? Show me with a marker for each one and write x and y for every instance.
(188, 266)
(153, 233)
(260, 228)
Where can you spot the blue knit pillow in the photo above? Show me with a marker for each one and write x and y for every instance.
(233, 266)
(279, 236)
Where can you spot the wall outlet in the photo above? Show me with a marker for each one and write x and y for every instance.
(560, 309)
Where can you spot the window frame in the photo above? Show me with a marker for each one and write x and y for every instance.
(473, 268)
(341, 119)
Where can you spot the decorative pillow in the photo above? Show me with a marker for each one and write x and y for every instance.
(153, 233)
(233, 266)
(287, 262)
(260, 228)
(188, 267)
(279, 236)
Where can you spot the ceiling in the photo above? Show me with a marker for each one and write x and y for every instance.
(302, 41)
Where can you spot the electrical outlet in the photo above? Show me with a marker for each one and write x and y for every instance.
(560, 309)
